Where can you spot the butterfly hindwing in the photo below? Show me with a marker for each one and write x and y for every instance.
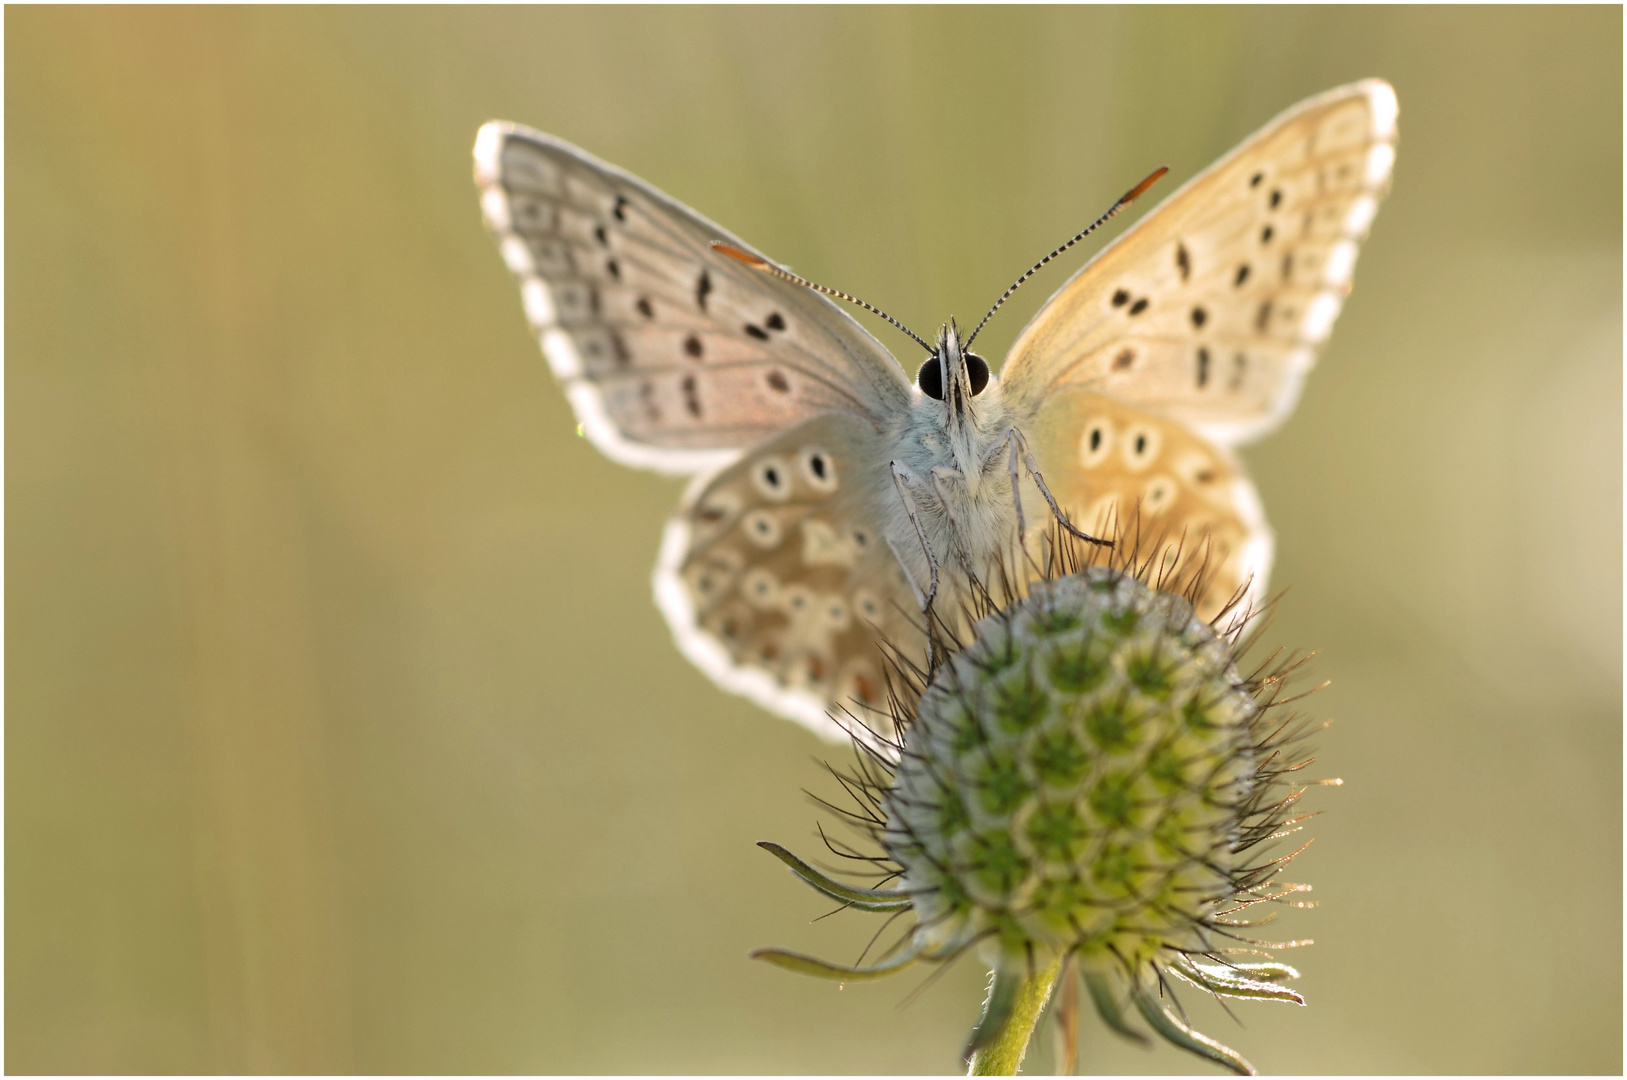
(1210, 309)
(1159, 490)
(777, 580)
(674, 357)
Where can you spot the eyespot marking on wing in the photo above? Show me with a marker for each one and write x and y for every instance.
(796, 599)
(1095, 442)
(761, 529)
(1157, 496)
(761, 588)
(836, 614)
(818, 469)
(1142, 443)
(772, 479)
(1196, 468)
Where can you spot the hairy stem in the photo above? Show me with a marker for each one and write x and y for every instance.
(1004, 1055)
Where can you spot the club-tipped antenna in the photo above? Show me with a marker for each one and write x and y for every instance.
(1125, 200)
(759, 263)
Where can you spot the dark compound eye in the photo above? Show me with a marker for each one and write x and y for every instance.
(930, 377)
(977, 370)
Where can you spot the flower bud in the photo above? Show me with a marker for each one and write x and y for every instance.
(1085, 783)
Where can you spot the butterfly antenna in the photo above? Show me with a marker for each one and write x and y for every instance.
(757, 263)
(1125, 200)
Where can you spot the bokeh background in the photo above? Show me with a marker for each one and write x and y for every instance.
(342, 733)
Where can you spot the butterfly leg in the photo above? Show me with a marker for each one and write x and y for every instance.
(940, 479)
(1020, 445)
(903, 479)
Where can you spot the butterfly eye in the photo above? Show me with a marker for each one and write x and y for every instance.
(977, 370)
(931, 378)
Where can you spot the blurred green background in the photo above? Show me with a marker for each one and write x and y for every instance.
(342, 732)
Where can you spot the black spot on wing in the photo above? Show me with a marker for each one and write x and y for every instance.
(692, 347)
(1139, 306)
(1183, 261)
(754, 331)
(1199, 317)
(1262, 318)
(1124, 359)
(774, 321)
(692, 400)
(619, 211)
(703, 289)
(1242, 275)
(1120, 298)
(645, 308)
(777, 382)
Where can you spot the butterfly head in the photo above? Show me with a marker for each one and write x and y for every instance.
(951, 374)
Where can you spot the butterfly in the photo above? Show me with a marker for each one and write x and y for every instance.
(831, 492)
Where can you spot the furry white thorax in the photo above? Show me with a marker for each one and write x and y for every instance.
(954, 459)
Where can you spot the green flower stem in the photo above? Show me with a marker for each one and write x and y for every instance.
(1003, 1056)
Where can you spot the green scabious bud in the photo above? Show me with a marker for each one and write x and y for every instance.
(1071, 780)
(1083, 786)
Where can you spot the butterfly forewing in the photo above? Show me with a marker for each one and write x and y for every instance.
(1210, 309)
(673, 356)
(782, 574)
(778, 582)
